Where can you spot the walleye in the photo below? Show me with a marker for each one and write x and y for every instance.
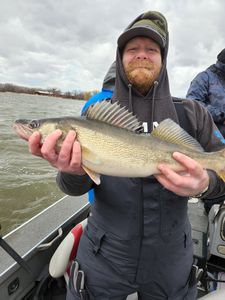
(111, 146)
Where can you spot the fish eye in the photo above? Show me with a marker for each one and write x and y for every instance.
(34, 124)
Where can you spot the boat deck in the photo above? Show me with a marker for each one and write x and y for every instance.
(31, 234)
(28, 239)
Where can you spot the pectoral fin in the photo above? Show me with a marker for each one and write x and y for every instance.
(94, 176)
(88, 156)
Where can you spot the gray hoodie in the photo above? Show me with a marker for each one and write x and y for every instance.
(138, 235)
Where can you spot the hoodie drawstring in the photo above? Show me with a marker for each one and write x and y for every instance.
(130, 103)
(153, 102)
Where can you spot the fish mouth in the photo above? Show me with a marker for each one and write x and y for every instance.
(22, 130)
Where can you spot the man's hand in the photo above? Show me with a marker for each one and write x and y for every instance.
(188, 183)
(68, 160)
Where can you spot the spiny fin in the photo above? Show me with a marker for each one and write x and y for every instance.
(113, 114)
(94, 176)
(171, 132)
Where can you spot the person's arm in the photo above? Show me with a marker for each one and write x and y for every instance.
(74, 185)
(200, 90)
(209, 138)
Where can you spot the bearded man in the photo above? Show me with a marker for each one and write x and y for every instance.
(142, 63)
(138, 236)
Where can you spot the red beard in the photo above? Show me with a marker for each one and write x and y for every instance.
(142, 74)
(139, 64)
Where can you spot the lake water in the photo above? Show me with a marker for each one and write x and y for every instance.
(27, 183)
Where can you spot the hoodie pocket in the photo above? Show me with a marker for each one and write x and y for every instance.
(96, 237)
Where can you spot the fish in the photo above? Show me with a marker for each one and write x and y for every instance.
(112, 142)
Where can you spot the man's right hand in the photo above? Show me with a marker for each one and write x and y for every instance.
(68, 160)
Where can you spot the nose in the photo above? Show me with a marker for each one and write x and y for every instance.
(142, 54)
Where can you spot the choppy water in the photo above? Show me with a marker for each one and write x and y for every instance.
(27, 183)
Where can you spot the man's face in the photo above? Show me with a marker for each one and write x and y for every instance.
(142, 62)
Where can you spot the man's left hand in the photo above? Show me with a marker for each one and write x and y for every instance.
(188, 183)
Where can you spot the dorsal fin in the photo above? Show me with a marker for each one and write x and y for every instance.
(113, 114)
(171, 132)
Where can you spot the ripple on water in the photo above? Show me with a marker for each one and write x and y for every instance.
(27, 183)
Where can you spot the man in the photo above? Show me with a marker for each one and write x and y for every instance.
(138, 237)
(208, 87)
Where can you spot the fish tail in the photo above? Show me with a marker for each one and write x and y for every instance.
(222, 175)
(222, 152)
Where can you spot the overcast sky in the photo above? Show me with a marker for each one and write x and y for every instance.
(69, 44)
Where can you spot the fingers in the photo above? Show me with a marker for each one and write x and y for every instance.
(173, 181)
(48, 149)
(191, 181)
(191, 165)
(67, 160)
(35, 144)
(75, 162)
(177, 178)
(64, 157)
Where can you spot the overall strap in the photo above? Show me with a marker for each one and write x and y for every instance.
(182, 116)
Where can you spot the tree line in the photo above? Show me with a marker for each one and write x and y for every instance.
(55, 92)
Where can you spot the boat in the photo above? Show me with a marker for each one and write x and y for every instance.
(26, 253)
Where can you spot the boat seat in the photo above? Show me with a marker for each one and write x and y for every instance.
(65, 253)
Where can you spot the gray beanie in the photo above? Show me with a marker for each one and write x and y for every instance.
(152, 25)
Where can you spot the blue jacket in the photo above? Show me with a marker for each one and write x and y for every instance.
(104, 94)
(208, 87)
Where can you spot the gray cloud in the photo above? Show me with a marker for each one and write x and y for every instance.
(69, 44)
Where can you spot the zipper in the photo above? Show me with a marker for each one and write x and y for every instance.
(140, 229)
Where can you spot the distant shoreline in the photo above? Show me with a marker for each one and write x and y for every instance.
(45, 95)
(52, 92)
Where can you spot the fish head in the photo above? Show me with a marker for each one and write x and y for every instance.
(25, 128)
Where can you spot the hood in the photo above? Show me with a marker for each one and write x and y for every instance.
(157, 105)
(219, 69)
(150, 24)
(221, 56)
